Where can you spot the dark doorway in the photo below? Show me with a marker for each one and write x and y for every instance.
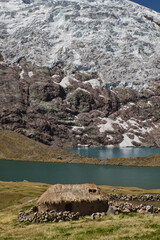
(68, 207)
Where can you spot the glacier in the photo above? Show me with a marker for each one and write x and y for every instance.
(117, 39)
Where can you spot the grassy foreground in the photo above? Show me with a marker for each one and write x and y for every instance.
(14, 196)
(15, 146)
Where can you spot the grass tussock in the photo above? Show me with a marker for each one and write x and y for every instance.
(25, 194)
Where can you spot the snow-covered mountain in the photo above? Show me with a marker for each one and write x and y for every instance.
(118, 39)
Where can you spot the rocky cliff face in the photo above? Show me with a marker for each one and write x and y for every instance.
(57, 109)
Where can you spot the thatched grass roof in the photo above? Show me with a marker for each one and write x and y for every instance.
(72, 193)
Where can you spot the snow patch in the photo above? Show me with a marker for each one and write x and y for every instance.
(109, 122)
(121, 123)
(30, 74)
(101, 96)
(110, 137)
(136, 139)
(75, 128)
(21, 74)
(106, 126)
(82, 89)
(131, 104)
(149, 103)
(127, 142)
(94, 83)
(133, 123)
(65, 82)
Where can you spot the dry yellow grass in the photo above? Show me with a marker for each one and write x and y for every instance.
(15, 146)
(128, 190)
(115, 227)
(153, 160)
(133, 226)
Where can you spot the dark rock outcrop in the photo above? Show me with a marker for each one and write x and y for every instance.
(45, 104)
(1, 57)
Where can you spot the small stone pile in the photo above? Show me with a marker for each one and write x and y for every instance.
(129, 197)
(98, 215)
(117, 207)
(33, 216)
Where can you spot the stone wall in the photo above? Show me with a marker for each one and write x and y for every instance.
(33, 216)
(131, 197)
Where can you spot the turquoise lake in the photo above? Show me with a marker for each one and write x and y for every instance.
(104, 152)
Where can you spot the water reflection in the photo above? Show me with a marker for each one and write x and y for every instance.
(104, 152)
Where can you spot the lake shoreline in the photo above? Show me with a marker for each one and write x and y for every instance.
(150, 161)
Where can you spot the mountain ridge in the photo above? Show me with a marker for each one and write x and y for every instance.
(15, 146)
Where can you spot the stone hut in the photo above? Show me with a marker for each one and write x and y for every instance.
(82, 198)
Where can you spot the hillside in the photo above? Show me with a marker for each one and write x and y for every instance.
(15, 146)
